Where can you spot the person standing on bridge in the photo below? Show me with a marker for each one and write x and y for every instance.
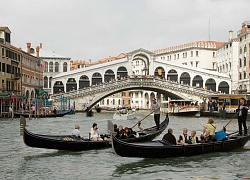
(155, 106)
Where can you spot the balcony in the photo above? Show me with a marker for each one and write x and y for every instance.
(16, 76)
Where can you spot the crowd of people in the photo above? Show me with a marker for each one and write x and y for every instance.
(208, 135)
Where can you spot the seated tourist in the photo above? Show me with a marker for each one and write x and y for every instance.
(77, 132)
(169, 137)
(210, 125)
(126, 134)
(183, 138)
(206, 137)
(193, 138)
(94, 133)
(119, 132)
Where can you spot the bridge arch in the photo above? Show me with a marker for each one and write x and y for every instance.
(185, 78)
(96, 78)
(197, 81)
(160, 72)
(84, 81)
(145, 59)
(172, 75)
(224, 87)
(71, 84)
(58, 87)
(122, 72)
(210, 84)
(109, 75)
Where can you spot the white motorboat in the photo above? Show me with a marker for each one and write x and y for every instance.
(127, 116)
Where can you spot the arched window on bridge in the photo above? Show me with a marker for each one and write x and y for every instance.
(51, 67)
(65, 68)
(109, 75)
(172, 75)
(122, 72)
(197, 81)
(45, 82)
(210, 84)
(58, 87)
(50, 81)
(185, 78)
(84, 81)
(96, 79)
(160, 72)
(224, 87)
(46, 67)
(71, 84)
(56, 67)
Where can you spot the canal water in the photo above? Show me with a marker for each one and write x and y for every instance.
(17, 161)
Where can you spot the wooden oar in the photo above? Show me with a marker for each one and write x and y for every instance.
(231, 120)
(145, 117)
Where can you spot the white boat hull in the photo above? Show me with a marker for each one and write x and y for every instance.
(118, 116)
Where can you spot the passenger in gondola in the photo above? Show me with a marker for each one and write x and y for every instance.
(126, 134)
(210, 125)
(206, 137)
(169, 138)
(120, 132)
(183, 138)
(193, 138)
(94, 133)
(77, 132)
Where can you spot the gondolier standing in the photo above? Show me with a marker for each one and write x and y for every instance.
(155, 106)
(242, 116)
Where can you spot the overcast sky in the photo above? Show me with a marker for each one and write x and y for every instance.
(96, 29)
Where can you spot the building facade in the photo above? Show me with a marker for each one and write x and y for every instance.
(227, 60)
(10, 64)
(201, 54)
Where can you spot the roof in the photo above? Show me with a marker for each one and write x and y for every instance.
(50, 54)
(197, 44)
(3, 28)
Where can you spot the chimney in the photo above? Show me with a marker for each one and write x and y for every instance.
(37, 51)
(28, 47)
(41, 45)
(230, 35)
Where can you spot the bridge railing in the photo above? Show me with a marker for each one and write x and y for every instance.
(135, 79)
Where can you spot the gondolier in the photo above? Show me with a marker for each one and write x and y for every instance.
(242, 116)
(155, 106)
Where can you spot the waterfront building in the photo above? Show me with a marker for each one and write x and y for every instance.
(244, 56)
(201, 54)
(53, 64)
(227, 60)
(10, 64)
(32, 73)
(234, 59)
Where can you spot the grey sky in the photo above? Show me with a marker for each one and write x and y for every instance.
(96, 29)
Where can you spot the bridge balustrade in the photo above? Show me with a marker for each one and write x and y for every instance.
(137, 81)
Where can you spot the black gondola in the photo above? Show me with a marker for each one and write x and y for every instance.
(51, 115)
(73, 143)
(161, 149)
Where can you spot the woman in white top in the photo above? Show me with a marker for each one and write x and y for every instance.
(94, 133)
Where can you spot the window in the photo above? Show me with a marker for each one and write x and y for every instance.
(51, 67)
(3, 67)
(245, 48)
(191, 53)
(240, 51)
(197, 63)
(7, 37)
(177, 56)
(45, 82)
(214, 55)
(56, 67)
(46, 67)
(240, 62)
(240, 76)
(65, 67)
(197, 53)
(113, 101)
(107, 101)
(191, 63)
(0, 66)
(245, 61)
(245, 75)
(3, 52)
